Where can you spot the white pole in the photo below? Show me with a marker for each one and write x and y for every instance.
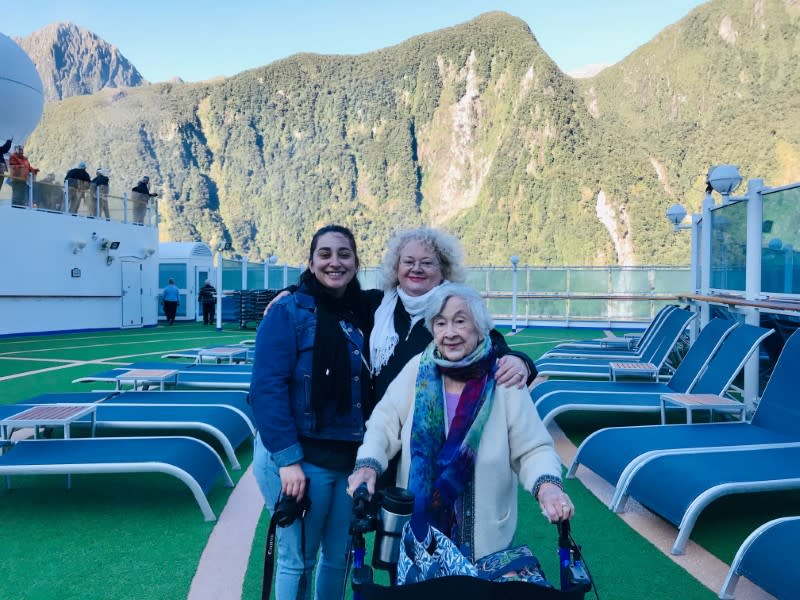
(755, 217)
(514, 262)
(705, 258)
(219, 290)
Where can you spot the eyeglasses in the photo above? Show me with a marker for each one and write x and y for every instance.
(425, 264)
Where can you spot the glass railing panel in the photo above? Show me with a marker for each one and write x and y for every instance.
(728, 246)
(501, 280)
(629, 281)
(780, 242)
(545, 308)
(670, 281)
(585, 281)
(588, 309)
(552, 280)
(255, 276)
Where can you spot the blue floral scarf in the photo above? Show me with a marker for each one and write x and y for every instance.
(441, 468)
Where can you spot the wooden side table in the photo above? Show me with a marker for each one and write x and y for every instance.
(633, 369)
(692, 402)
(144, 377)
(227, 353)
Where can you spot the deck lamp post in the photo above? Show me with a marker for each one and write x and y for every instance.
(226, 246)
(725, 179)
(514, 263)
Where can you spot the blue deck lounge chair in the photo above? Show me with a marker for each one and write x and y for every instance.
(192, 461)
(211, 381)
(656, 353)
(237, 400)
(709, 367)
(768, 558)
(623, 348)
(226, 424)
(676, 470)
(687, 372)
(110, 375)
(222, 377)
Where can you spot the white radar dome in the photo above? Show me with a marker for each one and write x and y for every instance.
(20, 91)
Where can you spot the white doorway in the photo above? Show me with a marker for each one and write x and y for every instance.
(132, 294)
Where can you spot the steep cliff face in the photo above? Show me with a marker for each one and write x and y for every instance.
(73, 61)
(472, 128)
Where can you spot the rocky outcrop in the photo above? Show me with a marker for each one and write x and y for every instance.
(73, 61)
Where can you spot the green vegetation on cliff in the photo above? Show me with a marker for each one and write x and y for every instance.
(472, 128)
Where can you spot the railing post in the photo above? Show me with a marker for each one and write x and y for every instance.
(285, 274)
(125, 207)
(514, 263)
(244, 273)
(755, 217)
(219, 286)
(705, 258)
(30, 190)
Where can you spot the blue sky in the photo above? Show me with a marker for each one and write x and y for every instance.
(200, 39)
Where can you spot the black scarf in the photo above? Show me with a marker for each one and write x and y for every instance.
(330, 370)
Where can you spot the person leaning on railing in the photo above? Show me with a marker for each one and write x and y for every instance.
(139, 198)
(100, 192)
(78, 181)
(19, 169)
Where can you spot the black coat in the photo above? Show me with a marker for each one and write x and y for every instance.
(79, 174)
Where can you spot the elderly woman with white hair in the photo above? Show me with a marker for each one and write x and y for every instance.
(415, 263)
(463, 441)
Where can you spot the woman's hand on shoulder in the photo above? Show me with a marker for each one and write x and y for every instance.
(281, 294)
(555, 503)
(511, 372)
(363, 475)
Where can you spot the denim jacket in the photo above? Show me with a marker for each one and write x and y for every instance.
(280, 390)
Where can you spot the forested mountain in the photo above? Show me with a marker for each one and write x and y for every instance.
(73, 61)
(472, 128)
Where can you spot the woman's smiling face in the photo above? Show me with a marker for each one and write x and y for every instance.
(454, 330)
(333, 262)
(418, 270)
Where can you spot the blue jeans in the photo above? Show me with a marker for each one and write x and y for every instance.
(326, 525)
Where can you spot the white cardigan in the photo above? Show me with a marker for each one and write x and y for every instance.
(514, 444)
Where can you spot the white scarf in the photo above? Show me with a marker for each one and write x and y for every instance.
(384, 338)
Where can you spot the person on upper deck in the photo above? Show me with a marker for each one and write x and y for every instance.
(20, 169)
(3, 166)
(139, 198)
(100, 192)
(463, 441)
(78, 180)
